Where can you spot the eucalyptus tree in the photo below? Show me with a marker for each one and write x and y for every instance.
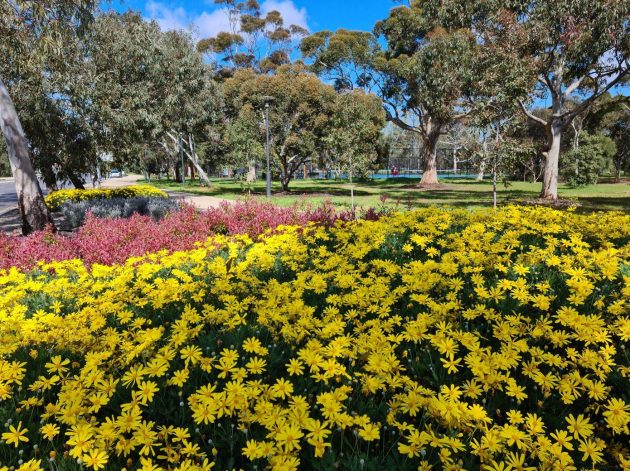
(256, 41)
(122, 88)
(244, 138)
(575, 50)
(192, 103)
(32, 34)
(611, 117)
(62, 144)
(141, 85)
(422, 63)
(620, 132)
(353, 133)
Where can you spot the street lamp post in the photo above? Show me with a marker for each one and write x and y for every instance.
(267, 100)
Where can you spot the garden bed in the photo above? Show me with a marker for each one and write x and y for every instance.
(114, 240)
(433, 338)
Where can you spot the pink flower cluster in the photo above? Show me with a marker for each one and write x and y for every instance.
(110, 241)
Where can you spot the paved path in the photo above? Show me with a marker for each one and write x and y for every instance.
(8, 197)
(198, 201)
(120, 182)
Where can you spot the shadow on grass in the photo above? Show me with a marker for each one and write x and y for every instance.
(459, 195)
(597, 203)
(452, 192)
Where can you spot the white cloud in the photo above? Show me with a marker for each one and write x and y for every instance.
(209, 23)
(167, 18)
(291, 14)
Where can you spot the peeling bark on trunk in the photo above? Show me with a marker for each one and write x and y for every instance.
(35, 214)
(429, 163)
(552, 155)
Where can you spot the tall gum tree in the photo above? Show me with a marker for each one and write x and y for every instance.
(253, 40)
(577, 50)
(31, 33)
(422, 68)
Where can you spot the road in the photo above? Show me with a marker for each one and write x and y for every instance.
(8, 198)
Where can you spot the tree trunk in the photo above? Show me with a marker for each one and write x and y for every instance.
(35, 214)
(76, 181)
(201, 172)
(251, 171)
(195, 161)
(494, 186)
(482, 170)
(49, 178)
(287, 173)
(552, 155)
(285, 183)
(429, 154)
(484, 159)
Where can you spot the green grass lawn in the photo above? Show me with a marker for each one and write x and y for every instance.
(404, 193)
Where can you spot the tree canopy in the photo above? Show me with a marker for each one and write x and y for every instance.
(573, 49)
(438, 62)
(254, 41)
(33, 35)
(430, 70)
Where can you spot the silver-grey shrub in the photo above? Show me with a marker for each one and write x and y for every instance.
(75, 212)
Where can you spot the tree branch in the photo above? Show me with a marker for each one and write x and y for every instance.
(550, 85)
(569, 115)
(531, 116)
(399, 122)
(459, 116)
(571, 88)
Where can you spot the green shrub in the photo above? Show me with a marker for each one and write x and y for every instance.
(593, 158)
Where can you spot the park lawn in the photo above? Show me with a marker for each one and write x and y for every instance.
(404, 193)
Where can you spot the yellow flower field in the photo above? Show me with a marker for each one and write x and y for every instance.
(434, 339)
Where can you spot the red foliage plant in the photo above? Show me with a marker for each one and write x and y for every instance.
(112, 241)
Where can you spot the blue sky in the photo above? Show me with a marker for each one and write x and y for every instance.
(315, 15)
